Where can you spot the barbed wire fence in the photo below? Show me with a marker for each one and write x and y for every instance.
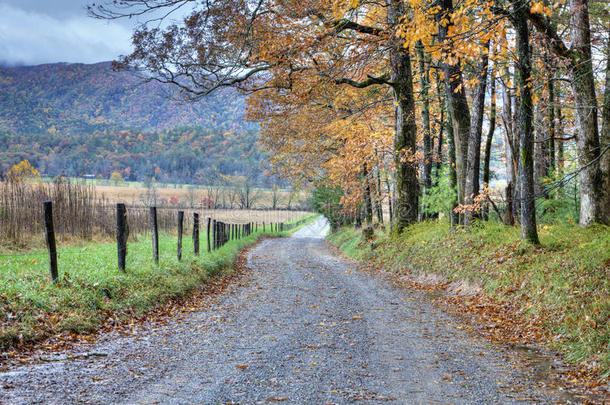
(74, 212)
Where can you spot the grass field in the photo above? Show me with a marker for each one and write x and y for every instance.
(135, 193)
(565, 283)
(91, 287)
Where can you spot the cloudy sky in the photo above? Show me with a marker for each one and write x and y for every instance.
(46, 31)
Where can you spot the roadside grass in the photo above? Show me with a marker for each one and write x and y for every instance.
(565, 281)
(91, 287)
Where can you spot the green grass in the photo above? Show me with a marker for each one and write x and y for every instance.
(566, 281)
(91, 287)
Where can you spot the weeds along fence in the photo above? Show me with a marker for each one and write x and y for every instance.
(81, 213)
(218, 233)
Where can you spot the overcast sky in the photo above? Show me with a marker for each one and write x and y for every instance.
(33, 32)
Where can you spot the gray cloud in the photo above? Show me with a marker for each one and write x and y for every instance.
(58, 31)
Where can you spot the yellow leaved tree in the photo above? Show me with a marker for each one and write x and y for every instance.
(23, 171)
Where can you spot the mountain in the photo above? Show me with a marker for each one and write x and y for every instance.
(79, 98)
(76, 119)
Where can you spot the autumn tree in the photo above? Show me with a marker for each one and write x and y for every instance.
(23, 171)
(269, 44)
(339, 97)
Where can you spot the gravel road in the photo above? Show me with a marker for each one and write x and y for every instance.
(306, 326)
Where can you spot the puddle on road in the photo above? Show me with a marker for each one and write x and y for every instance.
(537, 365)
(542, 368)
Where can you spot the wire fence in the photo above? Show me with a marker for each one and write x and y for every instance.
(214, 233)
(81, 214)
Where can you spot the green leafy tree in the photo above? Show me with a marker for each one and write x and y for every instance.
(327, 201)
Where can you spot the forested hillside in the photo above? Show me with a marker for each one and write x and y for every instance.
(182, 155)
(76, 119)
(79, 98)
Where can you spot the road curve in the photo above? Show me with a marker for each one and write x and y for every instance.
(306, 327)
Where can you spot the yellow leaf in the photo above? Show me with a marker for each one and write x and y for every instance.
(537, 8)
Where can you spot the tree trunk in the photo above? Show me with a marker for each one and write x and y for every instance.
(457, 105)
(551, 119)
(583, 85)
(379, 199)
(509, 147)
(424, 81)
(526, 162)
(474, 138)
(605, 140)
(407, 187)
(390, 210)
(559, 133)
(541, 150)
(490, 134)
(366, 190)
(452, 172)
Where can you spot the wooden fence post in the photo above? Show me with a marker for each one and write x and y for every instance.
(218, 234)
(155, 233)
(122, 233)
(208, 232)
(222, 233)
(180, 229)
(49, 231)
(196, 233)
(214, 234)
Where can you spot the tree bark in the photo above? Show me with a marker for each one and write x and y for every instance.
(390, 200)
(379, 200)
(474, 138)
(510, 147)
(605, 140)
(452, 172)
(457, 105)
(424, 81)
(559, 132)
(583, 85)
(366, 189)
(541, 149)
(490, 134)
(551, 119)
(407, 187)
(526, 162)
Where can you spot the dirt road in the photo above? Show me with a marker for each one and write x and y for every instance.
(306, 327)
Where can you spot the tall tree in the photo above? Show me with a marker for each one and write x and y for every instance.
(473, 165)
(424, 83)
(579, 58)
(490, 130)
(605, 138)
(511, 146)
(405, 138)
(526, 161)
(455, 92)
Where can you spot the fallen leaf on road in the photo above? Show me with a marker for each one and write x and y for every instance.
(277, 399)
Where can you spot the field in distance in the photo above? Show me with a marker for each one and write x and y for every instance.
(236, 196)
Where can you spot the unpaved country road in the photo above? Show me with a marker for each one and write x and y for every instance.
(305, 327)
